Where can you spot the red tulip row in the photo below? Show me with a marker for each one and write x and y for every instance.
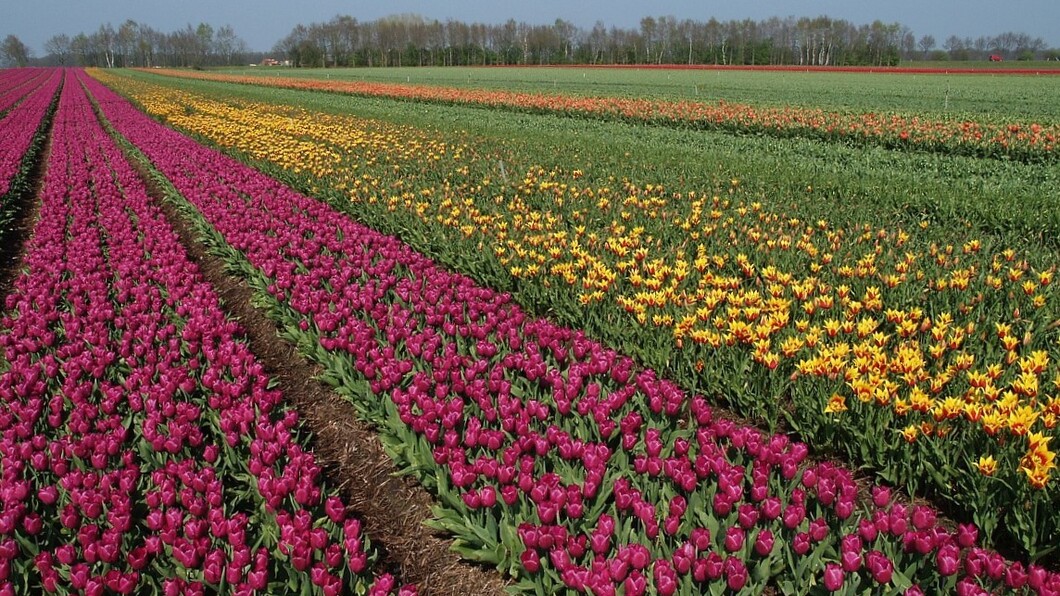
(15, 84)
(141, 447)
(21, 126)
(556, 458)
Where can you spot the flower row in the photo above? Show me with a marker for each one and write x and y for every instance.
(16, 84)
(556, 459)
(143, 449)
(21, 126)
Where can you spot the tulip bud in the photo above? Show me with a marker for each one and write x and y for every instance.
(833, 577)
(793, 516)
(1015, 576)
(967, 535)
(735, 573)
(923, 517)
(671, 525)
(818, 529)
(801, 543)
(771, 508)
(635, 585)
(948, 559)
(530, 560)
(881, 568)
(734, 538)
(881, 496)
(700, 538)
(665, 578)
(764, 543)
(747, 516)
(639, 556)
(850, 560)
(809, 478)
(1036, 577)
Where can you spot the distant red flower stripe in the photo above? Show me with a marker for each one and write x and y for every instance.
(941, 70)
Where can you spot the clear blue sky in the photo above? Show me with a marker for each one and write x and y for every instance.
(263, 22)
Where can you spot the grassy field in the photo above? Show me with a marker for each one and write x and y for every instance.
(986, 96)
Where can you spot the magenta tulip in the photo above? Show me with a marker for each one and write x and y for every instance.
(833, 577)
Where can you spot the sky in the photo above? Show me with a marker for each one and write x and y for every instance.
(264, 22)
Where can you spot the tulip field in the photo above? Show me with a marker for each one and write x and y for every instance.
(614, 375)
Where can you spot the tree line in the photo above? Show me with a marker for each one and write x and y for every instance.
(136, 44)
(412, 40)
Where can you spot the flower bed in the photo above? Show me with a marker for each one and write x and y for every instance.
(554, 458)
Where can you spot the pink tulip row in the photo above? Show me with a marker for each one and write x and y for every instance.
(19, 127)
(614, 479)
(142, 448)
(17, 83)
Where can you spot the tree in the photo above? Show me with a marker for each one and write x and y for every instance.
(310, 54)
(185, 47)
(126, 41)
(413, 40)
(647, 32)
(149, 45)
(14, 52)
(105, 41)
(293, 45)
(228, 45)
(204, 47)
(926, 44)
(955, 46)
(565, 33)
(81, 47)
(59, 46)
